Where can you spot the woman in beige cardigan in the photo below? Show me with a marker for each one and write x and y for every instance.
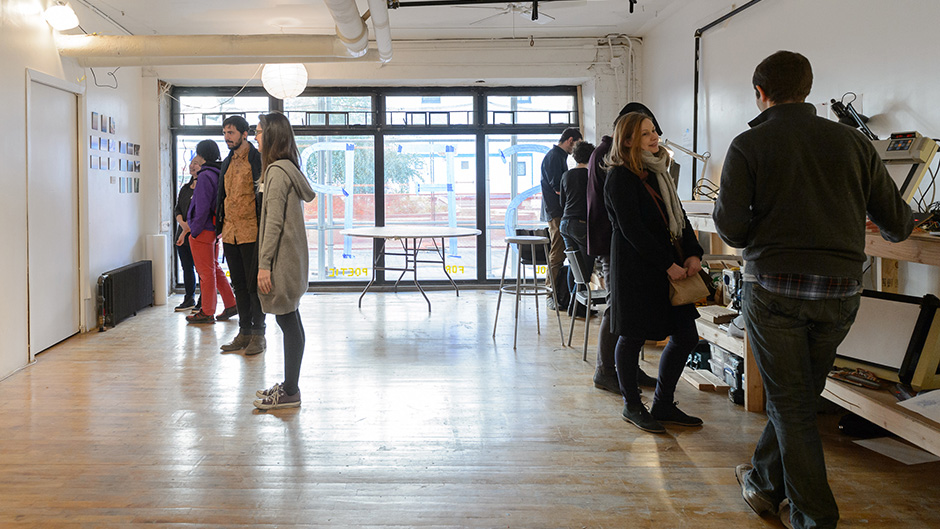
(282, 250)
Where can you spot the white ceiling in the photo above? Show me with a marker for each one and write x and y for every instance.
(572, 18)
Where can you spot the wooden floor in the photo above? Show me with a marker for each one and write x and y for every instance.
(409, 419)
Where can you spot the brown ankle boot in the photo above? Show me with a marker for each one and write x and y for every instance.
(256, 345)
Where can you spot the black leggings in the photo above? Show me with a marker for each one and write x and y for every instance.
(294, 341)
(189, 271)
(627, 353)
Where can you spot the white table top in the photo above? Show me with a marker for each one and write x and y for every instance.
(410, 231)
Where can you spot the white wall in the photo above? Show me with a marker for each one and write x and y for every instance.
(26, 42)
(881, 50)
(117, 222)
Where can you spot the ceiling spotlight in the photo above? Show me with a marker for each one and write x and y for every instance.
(61, 17)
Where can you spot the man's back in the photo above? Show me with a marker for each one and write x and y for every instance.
(796, 190)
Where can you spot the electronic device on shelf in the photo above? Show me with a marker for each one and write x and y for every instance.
(907, 155)
(896, 337)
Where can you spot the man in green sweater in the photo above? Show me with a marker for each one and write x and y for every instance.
(795, 191)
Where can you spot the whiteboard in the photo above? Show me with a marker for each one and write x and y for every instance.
(882, 332)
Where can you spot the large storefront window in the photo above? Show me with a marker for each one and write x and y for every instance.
(459, 157)
(431, 181)
(342, 172)
(513, 191)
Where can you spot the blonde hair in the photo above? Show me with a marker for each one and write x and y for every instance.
(626, 128)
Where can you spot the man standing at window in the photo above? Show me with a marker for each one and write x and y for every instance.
(554, 164)
(237, 220)
(795, 190)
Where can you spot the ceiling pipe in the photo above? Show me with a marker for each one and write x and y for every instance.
(350, 28)
(351, 42)
(155, 50)
(378, 11)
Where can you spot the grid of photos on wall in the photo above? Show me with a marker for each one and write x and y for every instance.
(117, 158)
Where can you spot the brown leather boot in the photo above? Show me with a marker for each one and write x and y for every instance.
(240, 342)
(256, 345)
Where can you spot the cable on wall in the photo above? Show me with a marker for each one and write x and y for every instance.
(695, 84)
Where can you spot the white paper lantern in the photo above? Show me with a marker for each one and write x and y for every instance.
(61, 17)
(284, 80)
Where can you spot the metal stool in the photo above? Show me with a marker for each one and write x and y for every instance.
(522, 287)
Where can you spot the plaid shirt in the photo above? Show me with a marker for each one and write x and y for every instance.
(810, 287)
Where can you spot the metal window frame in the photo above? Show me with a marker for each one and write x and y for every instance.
(379, 128)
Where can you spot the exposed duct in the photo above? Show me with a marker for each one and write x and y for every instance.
(351, 42)
(378, 10)
(350, 28)
(92, 51)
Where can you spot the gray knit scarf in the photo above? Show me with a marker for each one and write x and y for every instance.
(658, 164)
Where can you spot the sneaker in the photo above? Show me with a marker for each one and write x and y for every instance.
(639, 416)
(256, 345)
(642, 379)
(227, 313)
(197, 308)
(754, 499)
(186, 305)
(200, 317)
(240, 342)
(606, 382)
(550, 303)
(785, 514)
(278, 400)
(671, 414)
(264, 393)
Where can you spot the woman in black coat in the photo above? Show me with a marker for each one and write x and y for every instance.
(650, 229)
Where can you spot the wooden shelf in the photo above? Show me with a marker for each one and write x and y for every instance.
(918, 248)
(881, 408)
(753, 385)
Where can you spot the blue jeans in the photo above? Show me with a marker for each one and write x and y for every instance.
(794, 343)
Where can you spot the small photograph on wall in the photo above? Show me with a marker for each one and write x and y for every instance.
(113, 179)
(104, 123)
(136, 167)
(111, 125)
(102, 144)
(136, 149)
(122, 147)
(112, 145)
(94, 120)
(137, 185)
(111, 164)
(123, 185)
(93, 163)
(93, 143)
(121, 165)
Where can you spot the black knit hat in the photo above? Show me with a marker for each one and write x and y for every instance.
(642, 109)
(209, 150)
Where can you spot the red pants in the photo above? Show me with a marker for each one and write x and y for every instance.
(205, 250)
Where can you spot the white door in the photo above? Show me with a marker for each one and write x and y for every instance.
(52, 216)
